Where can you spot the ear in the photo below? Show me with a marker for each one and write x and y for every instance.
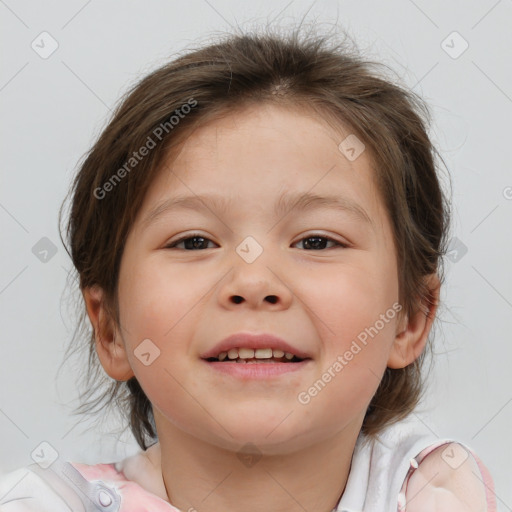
(413, 332)
(109, 346)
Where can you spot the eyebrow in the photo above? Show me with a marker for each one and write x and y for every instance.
(306, 201)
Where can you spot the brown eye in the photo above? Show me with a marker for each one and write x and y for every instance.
(317, 242)
(198, 242)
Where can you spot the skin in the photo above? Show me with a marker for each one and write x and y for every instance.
(182, 300)
(436, 485)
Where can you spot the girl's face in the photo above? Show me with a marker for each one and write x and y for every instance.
(336, 303)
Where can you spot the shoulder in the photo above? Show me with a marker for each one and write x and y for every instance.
(61, 489)
(58, 487)
(22, 490)
(447, 478)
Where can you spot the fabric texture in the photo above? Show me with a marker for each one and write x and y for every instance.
(377, 480)
(380, 468)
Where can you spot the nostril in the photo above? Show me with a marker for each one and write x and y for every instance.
(270, 298)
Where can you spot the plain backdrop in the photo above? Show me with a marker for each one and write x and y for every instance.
(455, 54)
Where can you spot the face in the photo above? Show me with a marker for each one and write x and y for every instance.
(321, 277)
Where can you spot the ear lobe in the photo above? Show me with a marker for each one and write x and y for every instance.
(110, 349)
(410, 342)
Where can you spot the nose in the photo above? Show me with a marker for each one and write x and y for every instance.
(256, 285)
(237, 299)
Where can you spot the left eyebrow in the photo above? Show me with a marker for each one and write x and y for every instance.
(303, 201)
(308, 201)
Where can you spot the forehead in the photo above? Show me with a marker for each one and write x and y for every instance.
(257, 154)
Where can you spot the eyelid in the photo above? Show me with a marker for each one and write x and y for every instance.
(187, 236)
(314, 234)
(332, 238)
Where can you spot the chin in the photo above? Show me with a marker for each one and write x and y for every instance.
(266, 434)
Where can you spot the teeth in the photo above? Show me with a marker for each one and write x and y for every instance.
(260, 353)
(249, 353)
(233, 353)
(254, 361)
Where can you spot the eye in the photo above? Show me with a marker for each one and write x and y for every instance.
(318, 242)
(198, 242)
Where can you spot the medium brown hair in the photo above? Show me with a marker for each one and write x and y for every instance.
(294, 70)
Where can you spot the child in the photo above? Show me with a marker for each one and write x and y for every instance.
(277, 368)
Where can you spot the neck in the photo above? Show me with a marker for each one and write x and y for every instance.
(201, 476)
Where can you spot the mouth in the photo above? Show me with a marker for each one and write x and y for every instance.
(255, 347)
(248, 356)
(245, 364)
(245, 355)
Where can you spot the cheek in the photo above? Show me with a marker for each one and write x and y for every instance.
(351, 299)
(160, 305)
(356, 315)
(152, 301)
(156, 306)
(351, 369)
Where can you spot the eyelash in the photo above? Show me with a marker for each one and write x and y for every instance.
(198, 235)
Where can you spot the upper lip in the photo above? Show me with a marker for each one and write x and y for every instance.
(251, 340)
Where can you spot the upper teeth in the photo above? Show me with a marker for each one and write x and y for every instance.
(250, 353)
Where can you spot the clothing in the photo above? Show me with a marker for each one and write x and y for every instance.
(376, 482)
(379, 471)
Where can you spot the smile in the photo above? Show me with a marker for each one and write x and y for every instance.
(259, 355)
(257, 369)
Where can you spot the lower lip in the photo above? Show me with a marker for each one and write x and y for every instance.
(257, 370)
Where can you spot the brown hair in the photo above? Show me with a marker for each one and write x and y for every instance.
(312, 71)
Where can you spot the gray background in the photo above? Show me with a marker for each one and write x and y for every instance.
(52, 108)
